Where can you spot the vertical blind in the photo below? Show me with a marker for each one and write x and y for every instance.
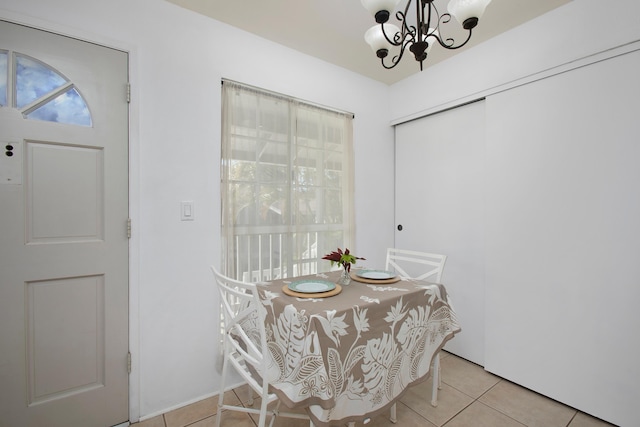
(287, 184)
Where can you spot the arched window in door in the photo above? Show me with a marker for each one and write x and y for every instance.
(39, 92)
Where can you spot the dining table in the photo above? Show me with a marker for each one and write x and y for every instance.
(346, 353)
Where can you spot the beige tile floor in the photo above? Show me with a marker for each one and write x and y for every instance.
(470, 397)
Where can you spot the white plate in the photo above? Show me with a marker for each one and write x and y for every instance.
(376, 274)
(312, 286)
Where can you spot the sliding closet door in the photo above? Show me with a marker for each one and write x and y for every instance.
(439, 206)
(563, 237)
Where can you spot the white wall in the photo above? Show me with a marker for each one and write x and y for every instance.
(177, 61)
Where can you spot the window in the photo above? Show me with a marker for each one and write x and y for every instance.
(287, 184)
(39, 92)
(3, 78)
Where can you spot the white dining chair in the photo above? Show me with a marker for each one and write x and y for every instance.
(420, 266)
(245, 347)
(416, 265)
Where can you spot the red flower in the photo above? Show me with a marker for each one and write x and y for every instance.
(344, 258)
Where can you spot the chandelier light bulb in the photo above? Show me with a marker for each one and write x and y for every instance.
(380, 9)
(468, 12)
(376, 39)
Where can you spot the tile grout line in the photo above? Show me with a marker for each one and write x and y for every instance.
(572, 418)
(477, 400)
(474, 400)
(496, 409)
(414, 411)
(510, 417)
(456, 414)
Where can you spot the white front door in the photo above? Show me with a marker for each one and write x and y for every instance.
(63, 231)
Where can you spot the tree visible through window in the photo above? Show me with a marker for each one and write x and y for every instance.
(287, 184)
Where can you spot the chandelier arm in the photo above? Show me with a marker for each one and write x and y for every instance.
(466, 41)
(402, 38)
(402, 17)
(396, 59)
(444, 18)
(432, 8)
(399, 38)
(407, 30)
(448, 44)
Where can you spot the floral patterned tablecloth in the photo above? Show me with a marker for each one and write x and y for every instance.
(350, 356)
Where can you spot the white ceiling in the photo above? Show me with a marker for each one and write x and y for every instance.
(333, 30)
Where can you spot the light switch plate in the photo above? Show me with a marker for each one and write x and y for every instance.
(186, 211)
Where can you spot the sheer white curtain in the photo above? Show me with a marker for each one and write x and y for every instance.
(287, 184)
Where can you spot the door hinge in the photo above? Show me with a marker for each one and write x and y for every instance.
(128, 92)
(128, 362)
(128, 228)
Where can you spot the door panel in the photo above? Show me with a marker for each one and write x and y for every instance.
(64, 247)
(65, 314)
(439, 203)
(59, 177)
(563, 203)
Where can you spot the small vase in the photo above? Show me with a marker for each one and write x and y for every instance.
(344, 279)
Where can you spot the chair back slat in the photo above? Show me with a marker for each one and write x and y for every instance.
(401, 261)
(243, 318)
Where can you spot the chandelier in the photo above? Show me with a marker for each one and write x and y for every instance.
(419, 34)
